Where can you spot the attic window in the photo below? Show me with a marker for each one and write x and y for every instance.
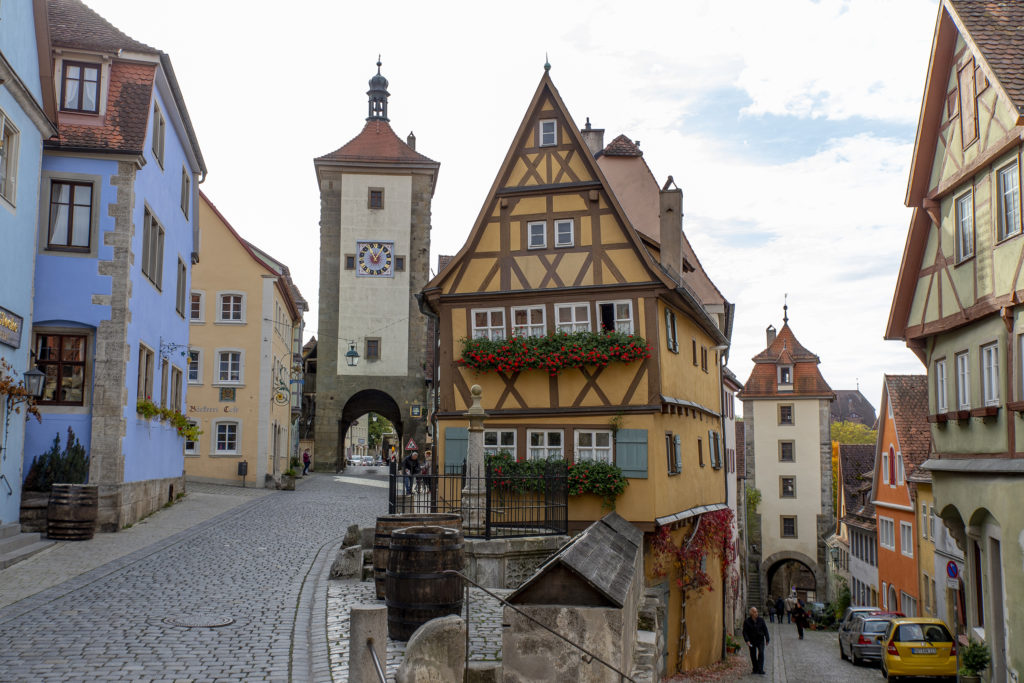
(375, 198)
(80, 85)
(548, 133)
(785, 377)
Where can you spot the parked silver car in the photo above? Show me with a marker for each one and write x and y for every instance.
(861, 641)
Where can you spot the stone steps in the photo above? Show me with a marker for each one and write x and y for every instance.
(16, 546)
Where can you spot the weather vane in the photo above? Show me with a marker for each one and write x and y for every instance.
(785, 309)
(547, 62)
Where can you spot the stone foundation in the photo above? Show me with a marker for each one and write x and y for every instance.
(508, 562)
(123, 504)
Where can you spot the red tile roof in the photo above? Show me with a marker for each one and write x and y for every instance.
(997, 28)
(73, 24)
(807, 379)
(376, 142)
(622, 147)
(908, 395)
(124, 126)
(856, 466)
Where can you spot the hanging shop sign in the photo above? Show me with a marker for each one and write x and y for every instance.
(10, 328)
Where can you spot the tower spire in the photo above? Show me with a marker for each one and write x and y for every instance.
(378, 94)
(785, 309)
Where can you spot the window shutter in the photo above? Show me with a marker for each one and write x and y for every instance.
(456, 444)
(715, 448)
(631, 452)
(679, 453)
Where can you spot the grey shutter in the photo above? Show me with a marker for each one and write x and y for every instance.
(631, 452)
(678, 443)
(456, 443)
(715, 449)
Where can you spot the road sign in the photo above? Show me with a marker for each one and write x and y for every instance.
(952, 571)
(411, 446)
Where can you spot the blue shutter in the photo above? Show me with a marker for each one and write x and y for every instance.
(678, 443)
(456, 444)
(631, 452)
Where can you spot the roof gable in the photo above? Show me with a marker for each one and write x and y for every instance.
(376, 142)
(907, 395)
(785, 349)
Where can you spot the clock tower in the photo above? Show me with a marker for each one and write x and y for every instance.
(375, 195)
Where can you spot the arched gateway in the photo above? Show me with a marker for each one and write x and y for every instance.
(373, 341)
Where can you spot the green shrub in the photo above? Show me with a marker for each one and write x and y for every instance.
(974, 658)
(70, 466)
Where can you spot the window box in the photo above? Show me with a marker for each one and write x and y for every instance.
(960, 414)
(1016, 406)
(553, 353)
(987, 411)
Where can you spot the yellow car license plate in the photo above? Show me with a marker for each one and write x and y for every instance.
(922, 650)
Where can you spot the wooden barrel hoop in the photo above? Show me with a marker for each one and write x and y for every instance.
(417, 588)
(388, 523)
(71, 512)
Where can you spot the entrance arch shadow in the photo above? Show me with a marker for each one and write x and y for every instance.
(361, 403)
(771, 564)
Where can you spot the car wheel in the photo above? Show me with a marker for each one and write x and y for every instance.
(842, 652)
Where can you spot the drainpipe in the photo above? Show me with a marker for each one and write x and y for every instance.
(426, 310)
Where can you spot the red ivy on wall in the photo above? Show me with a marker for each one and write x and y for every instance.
(711, 535)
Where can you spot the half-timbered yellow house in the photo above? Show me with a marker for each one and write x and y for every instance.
(558, 247)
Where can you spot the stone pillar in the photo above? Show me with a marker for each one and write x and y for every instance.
(474, 494)
(366, 622)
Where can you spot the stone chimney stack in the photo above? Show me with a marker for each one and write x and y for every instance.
(770, 333)
(411, 141)
(671, 214)
(594, 137)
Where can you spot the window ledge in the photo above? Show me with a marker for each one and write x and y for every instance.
(938, 418)
(1017, 406)
(959, 415)
(986, 412)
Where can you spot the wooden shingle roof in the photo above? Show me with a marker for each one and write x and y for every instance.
(74, 25)
(377, 142)
(786, 349)
(908, 395)
(997, 28)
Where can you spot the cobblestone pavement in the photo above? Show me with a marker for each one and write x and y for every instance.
(484, 631)
(815, 658)
(262, 564)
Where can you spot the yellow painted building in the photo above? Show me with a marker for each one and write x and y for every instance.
(245, 316)
(559, 246)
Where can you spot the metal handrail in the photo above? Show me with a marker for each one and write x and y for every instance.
(376, 662)
(504, 602)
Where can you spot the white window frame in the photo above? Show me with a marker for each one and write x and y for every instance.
(886, 533)
(543, 233)
(963, 380)
(199, 366)
(1008, 197)
(241, 368)
(963, 220)
(9, 159)
(500, 443)
(899, 468)
(908, 604)
(907, 538)
(594, 452)
(545, 449)
(491, 330)
(220, 319)
(990, 374)
(671, 332)
(542, 134)
(561, 223)
(202, 306)
(783, 372)
(622, 325)
(194, 450)
(924, 521)
(530, 329)
(574, 325)
(215, 437)
(941, 388)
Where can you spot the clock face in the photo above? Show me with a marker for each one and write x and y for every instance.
(375, 259)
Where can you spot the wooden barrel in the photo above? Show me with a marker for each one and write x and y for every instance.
(71, 513)
(388, 523)
(417, 588)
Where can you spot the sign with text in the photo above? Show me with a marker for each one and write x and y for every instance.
(10, 328)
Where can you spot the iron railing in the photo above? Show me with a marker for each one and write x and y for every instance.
(510, 506)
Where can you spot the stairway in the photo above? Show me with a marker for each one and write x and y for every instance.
(16, 546)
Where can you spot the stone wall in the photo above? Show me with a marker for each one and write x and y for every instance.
(127, 503)
(508, 562)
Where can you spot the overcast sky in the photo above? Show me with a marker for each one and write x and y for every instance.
(789, 125)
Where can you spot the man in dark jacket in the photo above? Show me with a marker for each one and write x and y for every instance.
(411, 467)
(755, 633)
(800, 618)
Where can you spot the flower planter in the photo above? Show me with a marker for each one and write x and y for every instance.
(71, 512)
(287, 482)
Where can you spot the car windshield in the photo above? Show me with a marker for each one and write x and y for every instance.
(875, 626)
(928, 632)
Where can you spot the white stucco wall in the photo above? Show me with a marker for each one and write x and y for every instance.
(375, 306)
(806, 435)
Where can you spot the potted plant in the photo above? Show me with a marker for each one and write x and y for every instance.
(731, 644)
(288, 479)
(73, 505)
(294, 463)
(974, 659)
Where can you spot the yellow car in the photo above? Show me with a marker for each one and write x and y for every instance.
(918, 646)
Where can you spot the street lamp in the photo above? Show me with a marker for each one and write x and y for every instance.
(352, 356)
(34, 381)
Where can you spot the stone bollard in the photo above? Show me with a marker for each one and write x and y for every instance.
(435, 652)
(366, 622)
(484, 672)
(348, 563)
(351, 536)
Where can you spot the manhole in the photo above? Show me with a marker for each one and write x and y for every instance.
(198, 621)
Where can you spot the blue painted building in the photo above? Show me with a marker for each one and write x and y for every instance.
(117, 238)
(24, 124)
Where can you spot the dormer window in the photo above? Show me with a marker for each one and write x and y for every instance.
(548, 133)
(785, 376)
(80, 85)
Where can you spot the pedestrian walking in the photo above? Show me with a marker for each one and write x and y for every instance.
(305, 462)
(800, 618)
(410, 467)
(790, 604)
(755, 633)
(780, 608)
(771, 611)
(423, 480)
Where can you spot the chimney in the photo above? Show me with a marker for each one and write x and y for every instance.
(411, 141)
(770, 333)
(670, 212)
(594, 137)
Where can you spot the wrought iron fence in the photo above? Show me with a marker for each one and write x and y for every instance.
(508, 506)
